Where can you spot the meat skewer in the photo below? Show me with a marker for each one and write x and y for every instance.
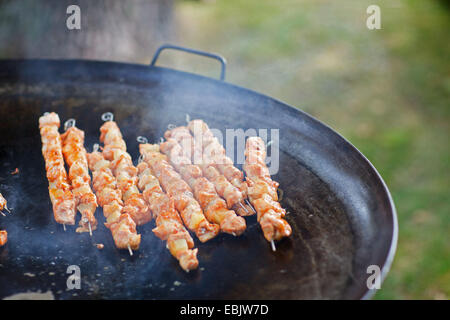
(3, 237)
(214, 154)
(214, 207)
(125, 172)
(179, 191)
(169, 226)
(234, 197)
(3, 205)
(262, 192)
(121, 225)
(3, 233)
(76, 158)
(62, 199)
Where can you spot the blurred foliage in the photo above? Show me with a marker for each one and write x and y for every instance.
(387, 91)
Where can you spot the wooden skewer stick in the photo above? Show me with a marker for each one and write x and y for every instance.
(250, 205)
(90, 228)
(280, 194)
(272, 243)
(64, 227)
(129, 250)
(3, 213)
(243, 207)
(6, 208)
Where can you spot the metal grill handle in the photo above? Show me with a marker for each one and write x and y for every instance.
(217, 57)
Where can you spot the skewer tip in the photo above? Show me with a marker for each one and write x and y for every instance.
(64, 227)
(3, 213)
(130, 251)
(272, 243)
(90, 228)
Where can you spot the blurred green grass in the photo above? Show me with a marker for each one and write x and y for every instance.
(387, 91)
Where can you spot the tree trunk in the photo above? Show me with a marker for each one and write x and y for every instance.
(115, 30)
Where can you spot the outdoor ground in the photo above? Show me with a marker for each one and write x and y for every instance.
(387, 91)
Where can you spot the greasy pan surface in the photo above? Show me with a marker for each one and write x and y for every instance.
(341, 212)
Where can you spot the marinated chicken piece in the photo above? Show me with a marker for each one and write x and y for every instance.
(111, 136)
(124, 232)
(3, 237)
